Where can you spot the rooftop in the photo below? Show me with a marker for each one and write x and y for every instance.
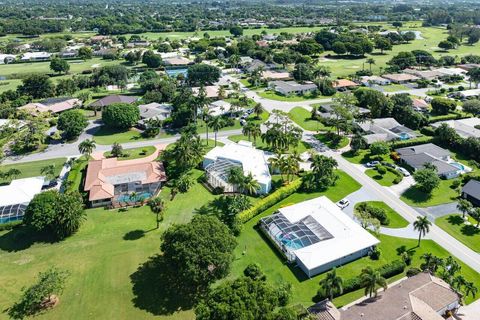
(52, 105)
(108, 100)
(343, 83)
(400, 77)
(472, 188)
(20, 191)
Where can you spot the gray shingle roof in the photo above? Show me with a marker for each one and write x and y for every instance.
(429, 148)
(108, 100)
(472, 188)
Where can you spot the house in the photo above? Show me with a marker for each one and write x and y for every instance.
(7, 58)
(463, 127)
(177, 61)
(425, 74)
(35, 56)
(68, 54)
(471, 192)
(468, 66)
(317, 235)
(105, 52)
(210, 91)
(112, 181)
(15, 197)
(292, 87)
(255, 64)
(154, 110)
(400, 77)
(98, 39)
(368, 81)
(469, 94)
(218, 161)
(219, 107)
(53, 105)
(108, 100)
(385, 129)
(138, 44)
(420, 297)
(262, 43)
(419, 155)
(419, 105)
(245, 60)
(343, 84)
(452, 71)
(273, 75)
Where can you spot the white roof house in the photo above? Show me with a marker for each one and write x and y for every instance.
(27, 56)
(15, 197)
(218, 161)
(317, 235)
(464, 127)
(219, 107)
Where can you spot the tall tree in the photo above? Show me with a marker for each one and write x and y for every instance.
(332, 284)
(371, 279)
(422, 225)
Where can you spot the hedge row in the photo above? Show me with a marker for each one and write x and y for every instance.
(412, 142)
(451, 116)
(270, 200)
(388, 270)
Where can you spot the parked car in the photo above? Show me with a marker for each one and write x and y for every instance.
(342, 204)
(388, 164)
(372, 164)
(243, 122)
(403, 171)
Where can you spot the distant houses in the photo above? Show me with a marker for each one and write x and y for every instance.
(343, 84)
(463, 127)
(154, 110)
(385, 129)
(53, 105)
(108, 100)
(400, 77)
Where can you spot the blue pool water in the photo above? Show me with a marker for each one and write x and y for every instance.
(404, 136)
(10, 219)
(127, 198)
(458, 165)
(173, 73)
(294, 243)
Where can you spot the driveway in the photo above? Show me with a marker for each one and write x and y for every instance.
(438, 211)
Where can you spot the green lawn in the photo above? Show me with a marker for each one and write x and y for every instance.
(101, 257)
(302, 117)
(134, 153)
(394, 87)
(272, 95)
(332, 143)
(106, 135)
(469, 235)
(253, 247)
(383, 180)
(32, 169)
(258, 143)
(443, 194)
(362, 157)
(396, 220)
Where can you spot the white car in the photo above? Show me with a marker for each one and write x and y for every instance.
(403, 171)
(342, 204)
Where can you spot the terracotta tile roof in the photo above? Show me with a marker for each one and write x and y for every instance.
(55, 107)
(343, 83)
(103, 174)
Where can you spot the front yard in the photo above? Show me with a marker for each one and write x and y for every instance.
(468, 234)
(303, 118)
(33, 168)
(134, 153)
(272, 95)
(258, 143)
(396, 220)
(443, 194)
(386, 180)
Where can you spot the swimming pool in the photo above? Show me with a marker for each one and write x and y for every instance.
(290, 240)
(10, 219)
(458, 165)
(173, 73)
(128, 198)
(404, 136)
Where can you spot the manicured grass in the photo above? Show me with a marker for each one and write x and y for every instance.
(469, 235)
(443, 194)
(258, 143)
(332, 143)
(362, 157)
(396, 220)
(394, 87)
(253, 247)
(385, 180)
(101, 258)
(106, 135)
(32, 169)
(272, 95)
(302, 117)
(76, 175)
(134, 153)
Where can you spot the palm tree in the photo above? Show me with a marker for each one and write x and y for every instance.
(234, 60)
(464, 206)
(332, 284)
(370, 61)
(133, 197)
(291, 165)
(250, 185)
(86, 147)
(247, 129)
(48, 171)
(370, 279)
(258, 110)
(277, 163)
(236, 177)
(470, 289)
(157, 206)
(206, 115)
(256, 132)
(475, 214)
(221, 93)
(216, 123)
(422, 225)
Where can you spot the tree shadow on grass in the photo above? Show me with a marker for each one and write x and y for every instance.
(22, 238)
(158, 290)
(455, 220)
(134, 235)
(470, 230)
(415, 195)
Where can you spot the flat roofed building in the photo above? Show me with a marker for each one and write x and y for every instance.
(421, 297)
(317, 235)
(218, 161)
(177, 61)
(15, 197)
(400, 77)
(292, 87)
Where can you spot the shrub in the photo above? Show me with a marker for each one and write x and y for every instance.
(456, 183)
(413, 272)
(270, 200)
(428, 131)
(379, 214)
(413, 142)
(121, 115)
(381, 169)
(397, 180)
(375, 253)
(10, 225)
